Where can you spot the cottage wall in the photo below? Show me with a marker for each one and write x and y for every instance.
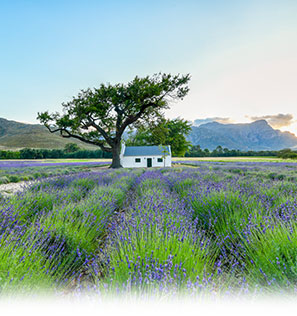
(129, 161)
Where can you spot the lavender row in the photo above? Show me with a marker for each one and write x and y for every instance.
(251, 220)
(50, 232)
(16, 171)
(28, 164)
(155, 244)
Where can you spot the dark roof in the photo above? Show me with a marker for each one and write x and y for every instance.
(145, 150)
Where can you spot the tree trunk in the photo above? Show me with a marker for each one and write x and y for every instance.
(116, 162)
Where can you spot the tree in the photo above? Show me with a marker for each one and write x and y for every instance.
(29, 153)
(217, 152)
(195, 151)
(165, 152)
(287, 154)
(71, 148)
(177, 131)
(206, 152)
(163, 132)
(99, 116)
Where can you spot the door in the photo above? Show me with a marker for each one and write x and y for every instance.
(149, 162)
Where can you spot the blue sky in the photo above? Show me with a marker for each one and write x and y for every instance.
(242, 55)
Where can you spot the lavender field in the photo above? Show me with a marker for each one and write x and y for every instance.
(12, 171)
(209, 228)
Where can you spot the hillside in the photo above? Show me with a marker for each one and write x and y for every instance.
(258, 135)
(15, 135)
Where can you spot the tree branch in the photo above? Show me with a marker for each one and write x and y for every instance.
(132, 119)
(100, 130)
(69, 135)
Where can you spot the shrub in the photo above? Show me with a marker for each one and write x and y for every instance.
(4, 180)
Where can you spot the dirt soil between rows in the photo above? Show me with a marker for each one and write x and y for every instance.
(12, 188)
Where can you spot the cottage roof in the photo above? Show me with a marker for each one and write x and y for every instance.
(146, 150)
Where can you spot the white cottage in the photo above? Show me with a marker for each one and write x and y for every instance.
(145, 156)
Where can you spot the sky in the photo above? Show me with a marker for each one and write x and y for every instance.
(241, 54)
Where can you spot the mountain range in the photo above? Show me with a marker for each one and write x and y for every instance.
(258, 135)
(16, 135)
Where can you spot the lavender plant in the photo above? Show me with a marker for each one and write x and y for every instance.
(212, 228)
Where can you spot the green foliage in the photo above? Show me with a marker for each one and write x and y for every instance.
(287, 154)
(197, 151)
(225, 212)
(4, 180)
(8, 154)
(153, 244)
(25, 275)
(83, 221)
(183, 186)
(62, 227)
(71, 148)
(163, 132)
(271, 255)
(156, 245)
(30, 153)
(13, 178)
(32, 204)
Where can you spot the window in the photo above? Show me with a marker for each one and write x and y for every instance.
(160, 159)
(137, 160)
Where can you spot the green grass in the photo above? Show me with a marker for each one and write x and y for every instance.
(234, 159)
(26, 268)
(271, 258)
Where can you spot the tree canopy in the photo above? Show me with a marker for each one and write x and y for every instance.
(99, 116)
(163, 132)
(71, 148)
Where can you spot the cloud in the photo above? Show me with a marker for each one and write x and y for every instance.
(223, 120)
(276, 121)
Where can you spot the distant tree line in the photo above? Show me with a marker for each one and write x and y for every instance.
(73, 151)
(9, 154)
(287, 154)
(197, 151)
(70, 151)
